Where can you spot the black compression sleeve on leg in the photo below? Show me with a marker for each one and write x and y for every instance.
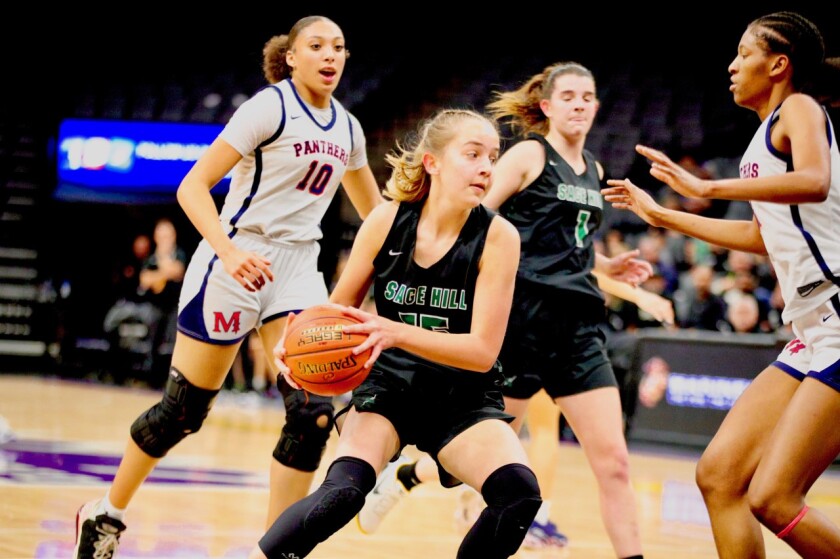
(513, 498)
(315, 518)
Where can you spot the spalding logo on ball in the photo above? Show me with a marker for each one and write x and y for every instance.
(320, 353)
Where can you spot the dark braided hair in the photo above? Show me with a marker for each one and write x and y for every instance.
(791, 34)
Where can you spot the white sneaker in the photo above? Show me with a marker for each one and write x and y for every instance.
(544, 536)
(6, 433)
(97, 537)
(385, 495)
(470, 505)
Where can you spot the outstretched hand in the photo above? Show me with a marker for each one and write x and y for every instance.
(665, 170)
(627, 268)
(624, 195)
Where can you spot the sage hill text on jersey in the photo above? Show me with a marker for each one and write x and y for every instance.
(580, 195)
(440, 297)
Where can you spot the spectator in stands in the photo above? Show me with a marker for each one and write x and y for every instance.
(742, 315)
(697, 305)
(657, 286)
(652, 248)
(776, 309)
(741, 278)
(614, 243)
(737, 261)
(695, 252)
(126, 276)
(128, 321)
(781, 434)
(160, 282)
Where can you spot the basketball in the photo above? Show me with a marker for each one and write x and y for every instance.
(320, 354)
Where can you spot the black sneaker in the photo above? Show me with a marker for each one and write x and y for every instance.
(97, 537)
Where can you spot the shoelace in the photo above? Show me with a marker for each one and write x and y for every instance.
(106, 545)
(388, 500)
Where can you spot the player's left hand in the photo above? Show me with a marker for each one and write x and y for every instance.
(657, 306)
(381, 333)
(279, 354)
(665, 170)
(627, 268)
(624, 195)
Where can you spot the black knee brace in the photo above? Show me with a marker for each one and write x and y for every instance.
(303, 440)
(513, 499)
(316, 517)
(181, 411)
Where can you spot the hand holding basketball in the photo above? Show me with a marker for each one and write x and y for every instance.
(280, 356)
(380, 333)
(317, 355)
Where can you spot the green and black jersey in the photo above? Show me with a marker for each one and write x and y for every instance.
(438, 298)
(556, 216)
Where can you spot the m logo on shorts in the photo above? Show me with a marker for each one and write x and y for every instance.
(794, 346)
(220, 323)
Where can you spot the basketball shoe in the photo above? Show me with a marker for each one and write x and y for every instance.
(387, 492)
(97, 537)
(544, 536)
(470, 505)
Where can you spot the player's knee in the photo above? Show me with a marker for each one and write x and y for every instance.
(341, 496)
(719, 477)
(513, 499)
(305, 434)
(611, 465)
(181, 411)
(772, 504)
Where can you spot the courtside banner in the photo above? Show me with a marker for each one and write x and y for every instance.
(708, 371)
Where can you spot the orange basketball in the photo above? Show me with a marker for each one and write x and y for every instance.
(320, 354)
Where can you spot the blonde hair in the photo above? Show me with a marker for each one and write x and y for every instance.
(275, 68)
(522, 106)
(409, 181)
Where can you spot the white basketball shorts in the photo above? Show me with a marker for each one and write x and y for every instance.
(215, 308)
(815, 351)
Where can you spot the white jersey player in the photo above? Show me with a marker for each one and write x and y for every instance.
(781, 434)
(289, 147)
(294, 156)
(802, 240)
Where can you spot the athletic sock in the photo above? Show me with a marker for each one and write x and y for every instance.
(408, 476)
(258, 384)
(108, 508)
(542, 514)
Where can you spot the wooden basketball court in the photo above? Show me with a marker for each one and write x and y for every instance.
(208, 496)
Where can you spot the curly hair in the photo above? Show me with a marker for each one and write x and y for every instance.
(275, 68)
